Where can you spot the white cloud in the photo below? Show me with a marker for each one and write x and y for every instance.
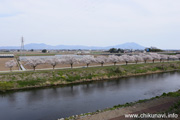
(106, 22)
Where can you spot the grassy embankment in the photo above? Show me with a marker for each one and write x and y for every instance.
(12, 81)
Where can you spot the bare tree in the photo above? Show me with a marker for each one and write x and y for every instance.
(69, 59)
(87, 60)
(101, 60)
(10, 64)
(34, 62)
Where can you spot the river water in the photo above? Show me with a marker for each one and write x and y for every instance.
(57, 102)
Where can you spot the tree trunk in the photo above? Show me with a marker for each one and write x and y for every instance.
(136, 62)
(126, 62)
(34, 68)
(53, 67)
(102, 64)
(71, 65)
(153, 61)
(114, 63)
(11, 69)
(87, 65)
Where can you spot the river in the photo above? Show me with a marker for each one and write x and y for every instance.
(57, 102)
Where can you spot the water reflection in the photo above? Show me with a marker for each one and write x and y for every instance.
(56, 102)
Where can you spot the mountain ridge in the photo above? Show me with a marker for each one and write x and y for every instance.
(128, 45)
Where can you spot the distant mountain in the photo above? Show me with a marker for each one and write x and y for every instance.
(130, 46)
(44, 46)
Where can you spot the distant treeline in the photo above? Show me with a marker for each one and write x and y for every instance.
(119, 50)
(153, 50)
(114, 50)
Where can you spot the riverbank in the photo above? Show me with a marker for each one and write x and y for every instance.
(165, 104)
(24, 80)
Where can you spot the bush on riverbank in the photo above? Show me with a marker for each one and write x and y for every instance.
(66, 76)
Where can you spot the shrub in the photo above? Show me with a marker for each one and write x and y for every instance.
(117, 70)
(162, 67)
(174, 65)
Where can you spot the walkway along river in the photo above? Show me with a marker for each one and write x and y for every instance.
(57, 102)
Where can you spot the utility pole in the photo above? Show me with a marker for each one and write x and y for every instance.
(22, 46)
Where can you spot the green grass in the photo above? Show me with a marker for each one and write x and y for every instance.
(169, 53)
(172, 94)
(6, 85)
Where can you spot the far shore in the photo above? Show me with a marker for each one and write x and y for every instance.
(40, 79)
(86, 81)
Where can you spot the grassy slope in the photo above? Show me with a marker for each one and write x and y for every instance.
(22, 80)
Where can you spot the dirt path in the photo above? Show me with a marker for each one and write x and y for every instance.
(152, 106)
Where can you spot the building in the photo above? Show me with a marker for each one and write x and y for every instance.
(6, 55)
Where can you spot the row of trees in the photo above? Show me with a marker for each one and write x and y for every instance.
(71, 60)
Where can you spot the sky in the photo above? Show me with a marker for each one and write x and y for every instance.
(91, 22)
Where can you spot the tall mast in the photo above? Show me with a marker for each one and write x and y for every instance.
(22, 45)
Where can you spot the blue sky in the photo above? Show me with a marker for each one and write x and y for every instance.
(91, 22)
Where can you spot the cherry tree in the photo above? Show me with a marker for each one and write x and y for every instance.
(178, 56)
(34, 62)
(155, 56)
(127, 58)
(173, 57)
(87, 60)
(101, 60)
(114, 59)
(70, 59)
(163, 58)
(10, 64)
(146, 57)
(137, 58)
(54, 61)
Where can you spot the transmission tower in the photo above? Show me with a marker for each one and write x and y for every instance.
(22, 46)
